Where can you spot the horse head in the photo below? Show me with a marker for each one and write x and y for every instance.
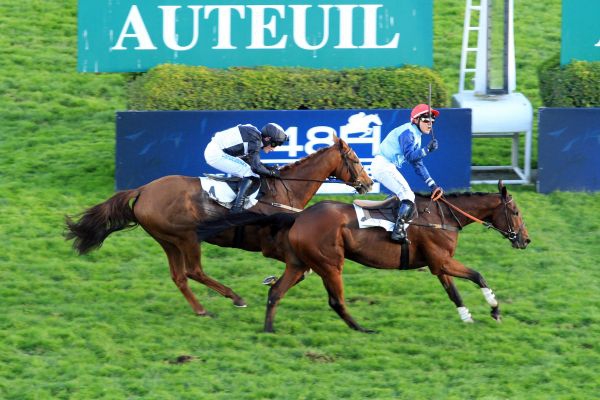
(508, 219)
(351, 169)
(303, 177)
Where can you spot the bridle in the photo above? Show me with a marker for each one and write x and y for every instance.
(511, 234)
(354, 182)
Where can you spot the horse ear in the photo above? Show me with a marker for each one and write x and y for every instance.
(502, 189)
(336, 138)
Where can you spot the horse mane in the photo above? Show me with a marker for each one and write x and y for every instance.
(456, 194)
(304, 159)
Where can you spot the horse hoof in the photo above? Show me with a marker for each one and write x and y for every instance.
(240, 303)
(495, 313)
(205, 314)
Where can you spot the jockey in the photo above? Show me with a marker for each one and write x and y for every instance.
(404, 144)
(236, 151)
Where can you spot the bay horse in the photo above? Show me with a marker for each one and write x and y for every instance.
(323, 235)
(170, 208)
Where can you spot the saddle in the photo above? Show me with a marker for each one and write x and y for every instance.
(234, 182)
(386, 210)
(224, 189)
(383, 214)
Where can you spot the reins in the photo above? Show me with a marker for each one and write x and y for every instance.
(466, 214)
(511, 234)
(314, 180)
(354, 182)
(279, 205)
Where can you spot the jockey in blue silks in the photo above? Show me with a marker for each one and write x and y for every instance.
(403, 145)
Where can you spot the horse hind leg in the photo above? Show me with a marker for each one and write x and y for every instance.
(191, 251)
(291, 276)
(177, 268)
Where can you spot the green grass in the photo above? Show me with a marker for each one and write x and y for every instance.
(109, 325)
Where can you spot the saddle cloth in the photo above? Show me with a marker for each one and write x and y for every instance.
(221, 192)
(383, 217)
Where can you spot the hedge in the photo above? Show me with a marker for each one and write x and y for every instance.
(574, 85)
(181, 87)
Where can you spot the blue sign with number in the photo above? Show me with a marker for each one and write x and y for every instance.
(152, 144)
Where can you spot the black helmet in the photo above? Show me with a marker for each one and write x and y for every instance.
(275, 132)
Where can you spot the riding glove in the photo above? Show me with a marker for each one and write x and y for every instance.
(436, 192)
(432, 146)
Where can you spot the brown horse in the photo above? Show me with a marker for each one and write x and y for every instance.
(170, 208)
(323, 235)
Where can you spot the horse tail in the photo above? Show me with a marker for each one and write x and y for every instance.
(96, 223)
(210, 228)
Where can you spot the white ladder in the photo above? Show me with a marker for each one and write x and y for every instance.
(464, 55)
(495, 113)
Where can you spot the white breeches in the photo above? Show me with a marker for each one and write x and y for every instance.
(217, 158)
(388, 175)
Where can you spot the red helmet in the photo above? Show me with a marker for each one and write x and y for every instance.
(422, 109)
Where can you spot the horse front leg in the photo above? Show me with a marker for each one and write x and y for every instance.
(451, 289)
(455, 268)
(335, 288)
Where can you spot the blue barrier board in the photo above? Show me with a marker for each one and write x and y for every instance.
(152, 144)
(568, 148)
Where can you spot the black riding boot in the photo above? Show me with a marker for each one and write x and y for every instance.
(404, 215)
(238, 203)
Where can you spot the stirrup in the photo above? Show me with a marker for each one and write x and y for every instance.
(399, 239)
(236, 210)
(398, 235)
(270, 280)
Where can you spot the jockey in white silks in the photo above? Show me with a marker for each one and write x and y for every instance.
(236, 151)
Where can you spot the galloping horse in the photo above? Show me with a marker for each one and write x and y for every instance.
(323, 235)
(170, 208)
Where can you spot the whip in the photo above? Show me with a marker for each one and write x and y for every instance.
(430, 116)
